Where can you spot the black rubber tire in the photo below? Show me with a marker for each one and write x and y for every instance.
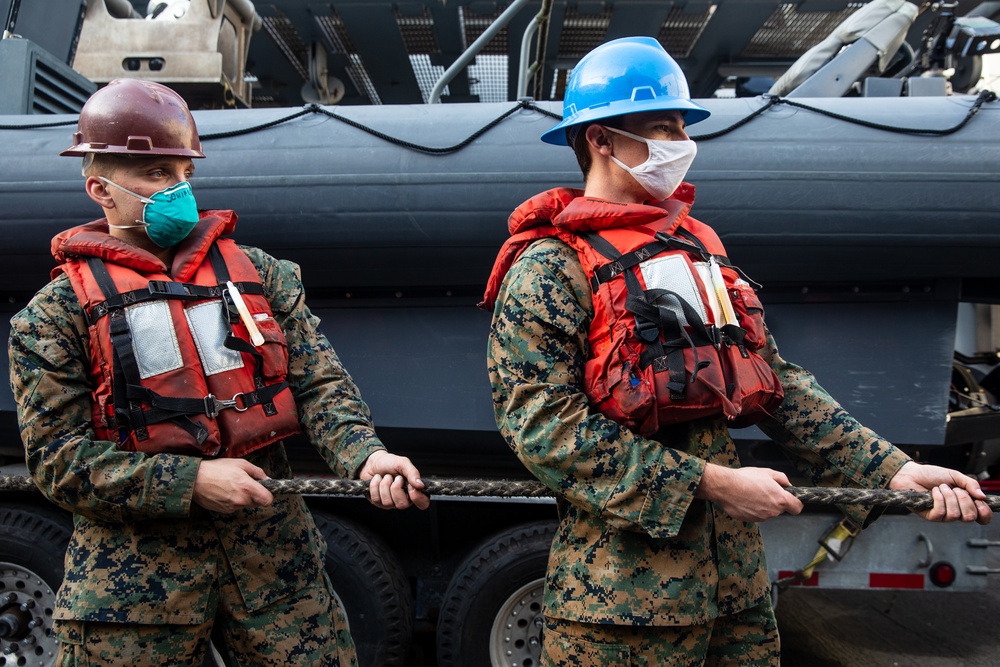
(33, 543)
(503, 575)
(372, 586)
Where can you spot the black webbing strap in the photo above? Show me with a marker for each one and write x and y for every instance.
(125, 367)
(611, 270)
(619, 262)
(165, 289)
(165, 407)
(230, 315)
(721, 259)
(219, 264)
(657, 325)
(666, 354)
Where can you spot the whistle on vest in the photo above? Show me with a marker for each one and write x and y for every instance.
(255, 336)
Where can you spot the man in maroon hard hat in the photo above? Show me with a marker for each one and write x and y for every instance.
(156, 377)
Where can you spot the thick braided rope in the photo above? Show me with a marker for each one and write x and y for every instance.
(505, 488)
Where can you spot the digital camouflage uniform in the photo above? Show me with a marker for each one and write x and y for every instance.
(634, 547)
(142, 552)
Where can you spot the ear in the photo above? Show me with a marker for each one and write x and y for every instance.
(99, 192)
(599, 139)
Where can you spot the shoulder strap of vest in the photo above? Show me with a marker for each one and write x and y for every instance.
(165, 289)
(721, 259)
(663, 242)
(619, 262)
(264, 393)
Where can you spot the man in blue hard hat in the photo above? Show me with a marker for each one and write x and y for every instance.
(624, 346)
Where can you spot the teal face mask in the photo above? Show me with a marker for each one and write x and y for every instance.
(168, 215)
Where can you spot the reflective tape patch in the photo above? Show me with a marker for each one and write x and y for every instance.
(154, 340)
(892, 580)
(671, 272)
(209, 332)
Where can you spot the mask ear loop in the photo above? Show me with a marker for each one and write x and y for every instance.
(635, 137)
(145, 200)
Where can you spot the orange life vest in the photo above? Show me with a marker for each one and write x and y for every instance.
(172, 362)
(668, 343)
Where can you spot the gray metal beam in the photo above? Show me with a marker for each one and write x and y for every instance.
(727, 34)
(375, 34)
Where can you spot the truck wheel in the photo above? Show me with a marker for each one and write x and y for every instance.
(370, 583)
(491, 615)
(32, 546)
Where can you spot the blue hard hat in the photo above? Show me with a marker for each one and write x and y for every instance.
(623, 76)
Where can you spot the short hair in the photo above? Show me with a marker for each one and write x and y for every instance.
(103, 164)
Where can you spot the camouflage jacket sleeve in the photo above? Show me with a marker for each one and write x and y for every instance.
(536, 356)
(828, 445)
(49, 362)
(331, 411)
(49, 359)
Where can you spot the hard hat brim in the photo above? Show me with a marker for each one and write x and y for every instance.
(81, 150)
(692, 112)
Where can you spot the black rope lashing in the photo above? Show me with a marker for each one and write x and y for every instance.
(525, 103)
(528, 103)
(507, 488)
(738, 124)
(984, 97)
(433, 150)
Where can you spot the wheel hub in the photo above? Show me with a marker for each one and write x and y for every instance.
(516, 637)
(26, 604)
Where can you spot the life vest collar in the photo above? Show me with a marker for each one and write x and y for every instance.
(566, 210)
(569, 210)
(94, 240)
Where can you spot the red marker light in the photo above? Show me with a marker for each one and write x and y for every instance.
(942, 574)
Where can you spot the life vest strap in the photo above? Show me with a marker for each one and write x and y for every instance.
(165, 289)
(167, 407)
(620, 262)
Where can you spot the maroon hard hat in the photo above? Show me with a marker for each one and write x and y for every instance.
(135, 117)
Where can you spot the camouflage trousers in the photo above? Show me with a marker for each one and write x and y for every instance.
(746, 639)
(306, 629)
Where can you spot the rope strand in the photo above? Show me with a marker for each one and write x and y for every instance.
(506, 488)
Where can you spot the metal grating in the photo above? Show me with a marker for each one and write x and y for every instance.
(787, 33)
(427, 74)
(582, 33)
(681, 30)
(789, 30)
(286, 37)
(333, 28)
(488, 78)
(475, 23)
(678, 35)
(417, 32)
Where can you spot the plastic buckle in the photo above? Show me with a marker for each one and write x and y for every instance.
(169, 289)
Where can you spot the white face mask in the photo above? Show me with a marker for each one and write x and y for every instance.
(665, 168)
